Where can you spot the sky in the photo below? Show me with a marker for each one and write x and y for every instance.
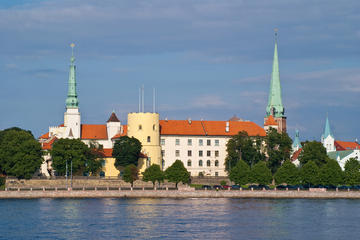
(207, 59)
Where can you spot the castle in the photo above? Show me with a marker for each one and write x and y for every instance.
(199, 144)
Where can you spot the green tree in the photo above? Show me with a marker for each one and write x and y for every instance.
(20, 153)
(131, 174)
(352, 174)
(84, 161)
(288, 173)
(313, 151)
(240, 174)
(309, 173)
(278, 147)
(153, 174)
(243, 147)
(331, 174)
(177, 173)
(126, 151)
(261, 174)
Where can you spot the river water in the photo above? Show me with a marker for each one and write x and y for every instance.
(179, 219)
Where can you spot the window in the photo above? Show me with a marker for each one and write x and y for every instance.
(154, 127)
(208, 142)
(208, 153)
(189, 163)
(162, 152)
(216, 174)
(163, 164)
(177, 141)
(148, 162)
(216, 163)
(208, 163)
(162, 141)
(140, 127)
(200, 142)
(189, 153)
(148, 139)
(177, 153)
(189, 142)
(216, 142)
(200, 153)
(200, 163)
(216, 153)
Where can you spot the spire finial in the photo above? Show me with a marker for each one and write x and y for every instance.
(72, 45)
(276, 33)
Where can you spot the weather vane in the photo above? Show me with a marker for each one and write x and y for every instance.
(276, 31)
(72, 45)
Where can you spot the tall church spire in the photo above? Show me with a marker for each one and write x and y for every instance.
(72, 100)
(275, 106)
(327, 131)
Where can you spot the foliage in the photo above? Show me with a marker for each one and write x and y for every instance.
(177, 173)
(288, 173)
(153, 174)
(126, 151)
(309, 173)
(331, 174)
(243, 147)
(222, 182)
(240, 174)
(83, 158)
(261, 174)
(352, 174)
(2, 182)
(131, 174)
(313, 151)
(20, 153)
(278, 147)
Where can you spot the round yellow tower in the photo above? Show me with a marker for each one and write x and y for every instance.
(146, 128)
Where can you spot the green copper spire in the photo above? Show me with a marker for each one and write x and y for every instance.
(275, 106)
(296, 143)
(327, 131)
(72, 100)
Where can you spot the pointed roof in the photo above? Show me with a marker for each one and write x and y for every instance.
(270, 121)
(296, 143)
(72, 100)
(275, 106)
(113, 118)
(234, 119)
(327, 131)
(71, 133)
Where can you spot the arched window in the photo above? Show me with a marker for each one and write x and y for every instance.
(189, 163)
(208, 163)
(140, 127)
(154, 127)
(216, 163)
(148, 139)
(200, 163)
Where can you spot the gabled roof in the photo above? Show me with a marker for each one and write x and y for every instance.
(93, 131)
(107, 152)
(44, 136)
(270, 121)
(209, 128)
(113, 118)
(48, 145)
(234, 119)
(296, 155)
(341, 145)
(342, 154)
(120, 134)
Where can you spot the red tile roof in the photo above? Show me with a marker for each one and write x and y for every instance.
(107, 152)
(48, 145)
(209, 128)
(113, 118)
(44, 136)
(270, 121)
(341, 145)
(120, 134)
(93, 131)
(296, 155)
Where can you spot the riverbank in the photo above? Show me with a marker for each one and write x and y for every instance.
(177, 194)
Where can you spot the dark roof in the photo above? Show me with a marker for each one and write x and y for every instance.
(113, 118)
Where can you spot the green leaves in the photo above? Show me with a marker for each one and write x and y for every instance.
(153, 174)
(287, 173)
(126, 151)
(131, 173)
(331, 174)
(261, 174)
(240, 174)
(309, 173)
(177, 173)
(20, 153)
(313, 151)
(352, 174)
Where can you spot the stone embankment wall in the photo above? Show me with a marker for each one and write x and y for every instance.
(210, 180)
(188, 193)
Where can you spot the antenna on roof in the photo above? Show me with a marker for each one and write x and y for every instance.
(139, 99)
(142, 91)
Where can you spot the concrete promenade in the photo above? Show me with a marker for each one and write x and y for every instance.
(177, 194)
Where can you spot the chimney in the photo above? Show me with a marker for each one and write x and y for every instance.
(227, 128)
(189, 120)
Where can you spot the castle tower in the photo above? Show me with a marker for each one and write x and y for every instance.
(113, 125)
(146, 128)
(327, 139)
(72, 122)
(275, 107)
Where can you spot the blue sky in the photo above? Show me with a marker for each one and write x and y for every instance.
(207, 59)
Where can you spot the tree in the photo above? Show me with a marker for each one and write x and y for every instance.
(313, 151)
(261, 174)
(126, 151)
(278, 147)
(352, 174)
(331, 174)
(20, 153)
(131, 174)
(65, 151)
(177, 173)
(288, 173)
(309, 173)
(153, 174)
(243, 147)
(240, 174)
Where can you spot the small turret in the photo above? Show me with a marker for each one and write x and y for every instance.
(296, 144)
(327, 139)
(113, 125)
